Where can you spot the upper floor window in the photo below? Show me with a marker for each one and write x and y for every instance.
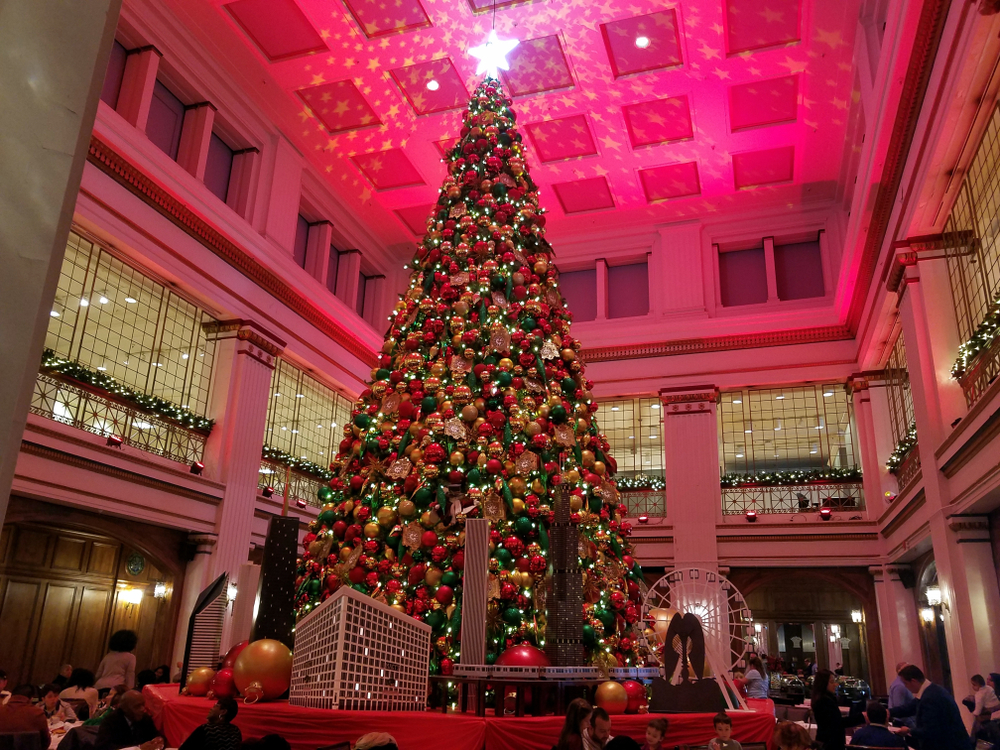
(628, 290)
(776, 270)
(305, 418)
(301, 246)
(115, 75)
(798, 270)
(166, 119)
(797, 429)
(743, 277)
(579, 289)
(218, 167)
(114, 319)
(634, 428)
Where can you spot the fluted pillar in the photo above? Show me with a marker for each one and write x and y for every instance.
(196, 578)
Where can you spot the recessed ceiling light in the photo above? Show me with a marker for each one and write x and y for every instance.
(102, 369)
(813, 451)
(130, 300)
(642, 42)
(655, 406)
(103, 300)
(83, 302)
(747, 431)
(299, 395)
(776, 429)
(652, 437)
(185, 355)
(739, 455)
(54, 314)
(631, 437)
(615, 408)
(737, 401)
(433, 85)
(827, 394)
(779, 398)
(276, 395)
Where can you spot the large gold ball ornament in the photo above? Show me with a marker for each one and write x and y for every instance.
(518, 486)
(568, 355)
(588, 458)
(386, 516)
(469, 413)
(345, 552)
(573, 476)
(372, 530)
(200, 679)
(407, 508)
(518, 504)
(599, 468)
(612, 697)
(457, 458)
(541, 266)
(532, 428)
(429, 519)
(433, 576)
(575, 502)
(505, 364)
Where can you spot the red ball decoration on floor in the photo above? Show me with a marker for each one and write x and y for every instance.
(524, 655)
(222, 685)
(235, 651)
(636, 693)
(611, 696)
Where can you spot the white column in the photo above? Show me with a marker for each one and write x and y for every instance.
(196, 135)
(867, 445)
(897, 617)
(348, 272)
(138, 81)
(246, 359)
(318, 250)
(53, 55)
(285, 197)
(196, 578)
(602, 289)
(242, 195)
(693, 494)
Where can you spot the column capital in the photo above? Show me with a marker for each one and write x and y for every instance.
(857, 382)
(202, 542)
(254, 340)
(691, 400)
(970, 529)
(877, 572)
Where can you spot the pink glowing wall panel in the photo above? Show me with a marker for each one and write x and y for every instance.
(584, 195)
(377, 18)
(763, 167)
(339, 106)
(579, 289)
(658, 121)
(758, 24)
(764, 103)
(671, 181)
(415, 218)
(643, 43)
(562, 139)
(388, 169)
(628, 290)
(278, 27)
(433, 86)
(537, 65)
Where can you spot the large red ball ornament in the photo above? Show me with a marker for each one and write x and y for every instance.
(429, 539)
(611, 696)
(524, 655)
(222, 685)
(444, 594)
(263, 671)
(636, 693)
(230, 658)
(199, 681)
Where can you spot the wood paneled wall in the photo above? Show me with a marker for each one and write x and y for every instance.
(59, 602)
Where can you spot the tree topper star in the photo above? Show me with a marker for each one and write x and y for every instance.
(492, 55)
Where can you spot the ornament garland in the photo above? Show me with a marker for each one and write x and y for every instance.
(73, 370)
(982, 338)
(300, 465)
(478, 407)
(777, 478)
(640, 482)
(902, 449)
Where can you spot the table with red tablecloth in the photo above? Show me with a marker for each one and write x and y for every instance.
(310, 728)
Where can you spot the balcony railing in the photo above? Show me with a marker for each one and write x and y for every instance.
(289, 483)
(645, 503)
(984, 370)
(908, 469)
(792, 498)
(101, 414)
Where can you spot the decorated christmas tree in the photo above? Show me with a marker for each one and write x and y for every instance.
(479, 408)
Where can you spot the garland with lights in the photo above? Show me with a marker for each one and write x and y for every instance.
(640, 482)
(300, 465)
(73, 370)
(478, 407)
(982, 338)
(902, 449)
(780, 478)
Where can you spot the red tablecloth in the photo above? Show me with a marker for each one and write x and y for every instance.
(309, 728)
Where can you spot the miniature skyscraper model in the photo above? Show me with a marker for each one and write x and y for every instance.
(564, 632)
(474, 583)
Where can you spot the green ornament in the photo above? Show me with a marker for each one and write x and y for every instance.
(491, 657)
(382, 374)
(607, 619)
(450, 578)
(568, 385)
(558, 414)
(504, 379)
(324, 493)
(512, 616)
(435, 618)
(589, 636)
(362, 421)
(596, 504)
(423, 496)
(326, 518)
(498, 282)
(499, 190)
(523, 525)
(428, 404)
(528, 324)
(504, 557)
(473, 476)
(314, 587)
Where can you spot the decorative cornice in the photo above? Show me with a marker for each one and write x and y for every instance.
(918, 72)
(128, 175)
(820, 334)
(969, 523)
(857, 382)
(769, 538)
(689, 400)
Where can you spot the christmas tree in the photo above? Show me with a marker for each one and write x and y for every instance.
(479, 407)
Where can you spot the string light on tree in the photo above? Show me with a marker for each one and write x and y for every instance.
(492, 54)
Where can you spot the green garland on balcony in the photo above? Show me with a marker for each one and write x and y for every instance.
(983, 337)
(902, 449)
(640, 482)
(777, 478)
(73, 370)
(300, 465)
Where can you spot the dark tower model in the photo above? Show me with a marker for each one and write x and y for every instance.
(564, 632)
(276, 590)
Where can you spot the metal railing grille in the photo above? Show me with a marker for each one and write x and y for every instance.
(288, 482)
(645, 503)
(804, 498)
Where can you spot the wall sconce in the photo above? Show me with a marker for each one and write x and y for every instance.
(300, 502)
(933, 594)
(833, 639)
(856, 615)
(643, 519)
(231, 592)
(131, 598)
(114, 441)
(197, 467)
(752, 516)
(835, 629)
(160, 590)
(758, 627)
(826, 514)
(927, 615)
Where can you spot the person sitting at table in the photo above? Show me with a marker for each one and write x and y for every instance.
(876, 732)
(81, 693)
(756, 684)
(376, 741)
(219, 732)
(18, 715)
(162, 674)
(830, 724)
(107, 706)
(62, 679)
(598, 733)
(128, 725)
(790, 736)
(577, 720)
(54, 707)
(4, 692)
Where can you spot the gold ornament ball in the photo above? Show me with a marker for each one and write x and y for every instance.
(611, 696)
(345, 552)
(506, 364)
(433, 576)
(588, 458)
(386, 516)
(573, 476)
(407, 508)
(438, 369)
(372, 530)
(518, 486)
(532, 428)
(518, 506)
(429, 519)
(469, 413)
(316, 548)
(457, 458)
(537, 487)
(599, 468)
(541, 266)
(575, 502)
(199, 681)
(568, 355)
(263, 670)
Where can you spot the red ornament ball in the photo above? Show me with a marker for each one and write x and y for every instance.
(230, 658)
(444, 594)
(222, 685)
(429, 539)
(636, 693)
(524, 655)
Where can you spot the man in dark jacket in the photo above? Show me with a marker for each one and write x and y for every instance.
(938, 721)
(129, 725)
(18, 715)
(876, 732)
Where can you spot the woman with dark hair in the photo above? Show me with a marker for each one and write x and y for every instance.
(577, 720)
(80, 693)
(118, 665)
(756, 684)
(162, 673)
(826, 711)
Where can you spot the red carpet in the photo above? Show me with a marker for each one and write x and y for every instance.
(310, 728)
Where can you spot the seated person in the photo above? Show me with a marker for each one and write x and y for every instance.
(61, 679)
(723, 733)
(219, 733)
(81, 693)
(876, 732)
(128, 725)
(18, 715)
(376, 741)
(656, 732)
(790, 736)
(4, 692)
(107, 705)
(598, 734)
(54, 707)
